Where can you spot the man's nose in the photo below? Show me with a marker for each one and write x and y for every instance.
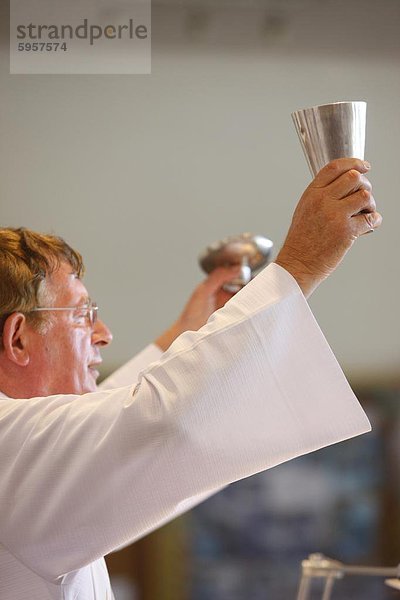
(101, 335)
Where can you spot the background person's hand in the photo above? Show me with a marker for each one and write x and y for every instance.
(336, 208)
(207, 297)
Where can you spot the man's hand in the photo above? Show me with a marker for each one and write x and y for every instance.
(206, 299)
(336, 208)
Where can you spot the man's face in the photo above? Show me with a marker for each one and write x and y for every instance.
(65, 359)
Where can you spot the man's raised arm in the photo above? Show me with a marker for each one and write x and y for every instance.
(256, 386)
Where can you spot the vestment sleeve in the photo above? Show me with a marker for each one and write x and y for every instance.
(257, 386)
(128, 374)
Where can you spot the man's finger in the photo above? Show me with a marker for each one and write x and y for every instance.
(361, 201)
(347, 184)
(365, 223)
(338, 167)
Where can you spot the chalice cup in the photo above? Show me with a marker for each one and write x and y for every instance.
(331, 131)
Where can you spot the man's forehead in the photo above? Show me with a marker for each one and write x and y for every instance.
(65, 284)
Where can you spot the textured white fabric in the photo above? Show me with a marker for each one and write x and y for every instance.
(128, 374)
(92, 581)
(82, 476)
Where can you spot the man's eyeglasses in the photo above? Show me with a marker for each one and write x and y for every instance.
(88, 311)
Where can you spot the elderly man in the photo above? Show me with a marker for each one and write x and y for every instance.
(82, 475)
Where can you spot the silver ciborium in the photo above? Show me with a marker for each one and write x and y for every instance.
(331, 131)
(251, 252)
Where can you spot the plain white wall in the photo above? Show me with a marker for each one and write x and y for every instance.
(141, 172)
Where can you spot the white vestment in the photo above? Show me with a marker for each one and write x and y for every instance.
(81, 476)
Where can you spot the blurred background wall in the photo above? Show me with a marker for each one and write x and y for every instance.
(141, 172)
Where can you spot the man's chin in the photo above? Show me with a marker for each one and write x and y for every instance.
(90, 383)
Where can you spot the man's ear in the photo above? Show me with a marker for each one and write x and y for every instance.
(15, 339)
